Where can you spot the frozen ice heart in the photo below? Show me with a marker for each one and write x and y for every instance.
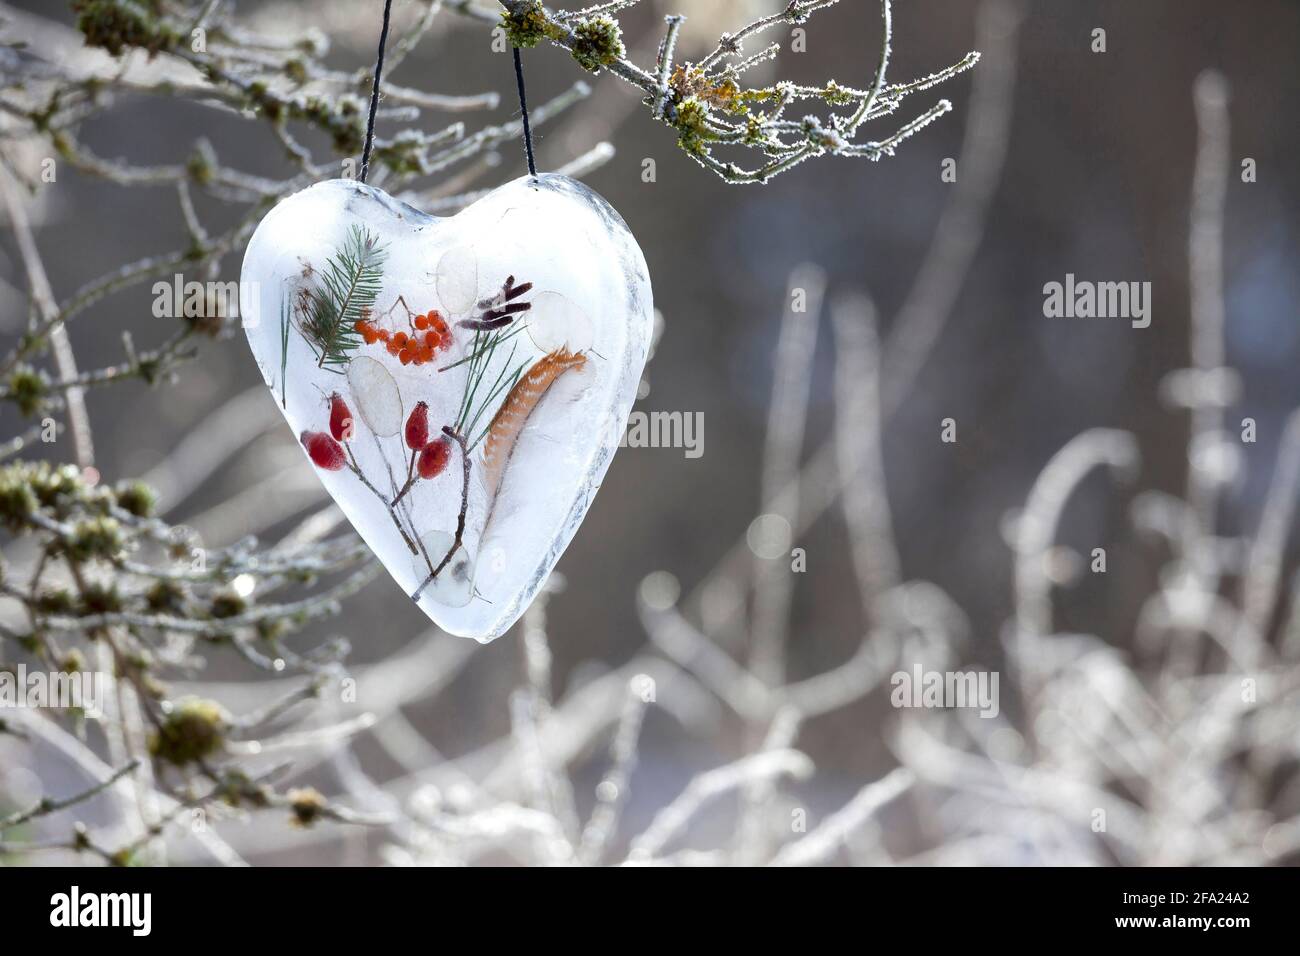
(460, 385)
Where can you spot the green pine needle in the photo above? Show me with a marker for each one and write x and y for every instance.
(350, 283)
(482, 350)
(285, 323)
(505, 380)
(478, 398)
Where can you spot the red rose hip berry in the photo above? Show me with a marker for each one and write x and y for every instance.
(433, 460)
(417, 427)
(340, 418)
(323, 451)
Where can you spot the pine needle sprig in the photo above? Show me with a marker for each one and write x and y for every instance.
(350, 283)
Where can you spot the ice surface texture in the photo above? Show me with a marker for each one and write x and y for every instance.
(542, 288)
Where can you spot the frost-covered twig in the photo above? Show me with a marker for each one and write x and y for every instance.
(787, 418)
(675, 817)
(930, 301)
(48, 805)
(820, 845)
(706, 103)
(859, 438)
(612, 791)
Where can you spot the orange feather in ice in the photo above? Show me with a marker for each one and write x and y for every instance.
(519, 404)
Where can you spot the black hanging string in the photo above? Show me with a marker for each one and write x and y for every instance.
(374, 101)
(374, 93)
(523, 109)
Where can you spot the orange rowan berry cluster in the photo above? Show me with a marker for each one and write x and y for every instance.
(430, 334)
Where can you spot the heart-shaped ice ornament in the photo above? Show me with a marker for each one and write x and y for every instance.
(460, 385)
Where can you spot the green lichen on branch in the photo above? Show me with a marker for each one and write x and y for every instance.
(200, 168)
(57, 491)
(119, 25)
(528, 25)
(99, 597)
(55, 601)
(166, 597)
(342, 117)
(404, 154)
(28, 388)
(594, 42)
(307, 805)
(226, 604)
(94, 538)
(17, 498)
(597, 42)
(692, 123)
(136, 498)
(194, 730)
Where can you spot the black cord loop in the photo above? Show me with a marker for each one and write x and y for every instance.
(374, 93)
